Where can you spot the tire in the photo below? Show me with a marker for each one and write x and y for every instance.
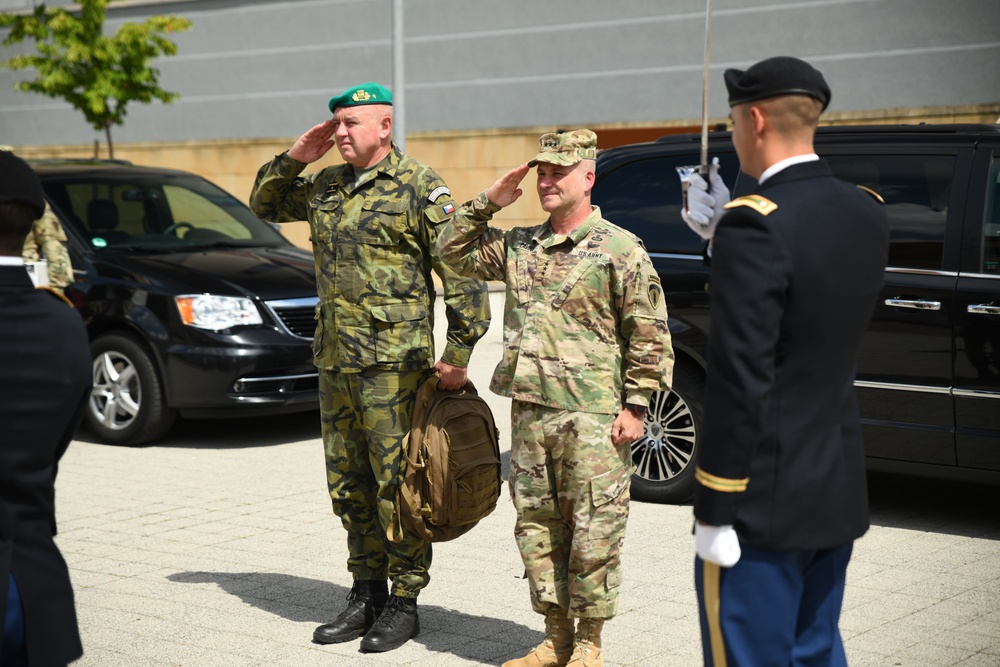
(664, 457)
(127, 404)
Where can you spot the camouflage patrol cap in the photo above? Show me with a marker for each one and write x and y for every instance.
(365, 93)
(566, 148)
(19, 183)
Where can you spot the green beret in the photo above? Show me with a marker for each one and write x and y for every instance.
(366, 93)
(566, 148)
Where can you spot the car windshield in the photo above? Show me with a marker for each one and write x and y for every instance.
(155, 212)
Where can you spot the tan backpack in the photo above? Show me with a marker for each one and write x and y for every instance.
(452, 477)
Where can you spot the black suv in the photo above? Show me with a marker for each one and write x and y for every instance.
(929, 371)
(193, 305)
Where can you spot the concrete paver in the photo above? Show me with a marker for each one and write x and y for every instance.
(217, 546)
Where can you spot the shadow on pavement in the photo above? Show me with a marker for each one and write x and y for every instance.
(303, 600)
(232, 433)
(914, 503)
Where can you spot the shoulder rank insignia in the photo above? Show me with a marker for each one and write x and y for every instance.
(56, 294)
(877, 196)
(760, 204)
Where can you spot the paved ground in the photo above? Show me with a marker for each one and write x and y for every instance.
(217, 547)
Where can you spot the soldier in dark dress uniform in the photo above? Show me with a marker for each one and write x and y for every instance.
(796, 272)
(44, 385)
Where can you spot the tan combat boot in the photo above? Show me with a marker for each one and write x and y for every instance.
(557, 647)
(587, 646)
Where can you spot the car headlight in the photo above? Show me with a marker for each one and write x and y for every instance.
(209, 311)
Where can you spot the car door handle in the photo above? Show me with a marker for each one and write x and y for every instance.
(983, 309)
(916, 304)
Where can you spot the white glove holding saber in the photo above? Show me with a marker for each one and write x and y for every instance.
(705, 208)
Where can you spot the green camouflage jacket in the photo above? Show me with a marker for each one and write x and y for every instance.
(47, 240)
(585, 323)
(373, 241)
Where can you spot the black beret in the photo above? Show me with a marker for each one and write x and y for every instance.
(19, 182)
(782, 75)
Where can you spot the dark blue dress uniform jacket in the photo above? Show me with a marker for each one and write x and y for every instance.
(794, 281)
(45, 379)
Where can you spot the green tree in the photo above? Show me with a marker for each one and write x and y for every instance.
(98, 75)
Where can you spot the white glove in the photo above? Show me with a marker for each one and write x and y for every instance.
(705, 208)
(717, 544)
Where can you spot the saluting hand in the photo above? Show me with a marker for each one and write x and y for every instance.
(314, 144)
(505, 192)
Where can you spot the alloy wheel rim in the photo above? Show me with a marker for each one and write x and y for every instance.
(117, 395)
(667, 447)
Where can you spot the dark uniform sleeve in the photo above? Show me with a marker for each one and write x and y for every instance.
(466, 299)
(749, 280)
(279, 194)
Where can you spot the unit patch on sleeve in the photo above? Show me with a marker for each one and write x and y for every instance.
(437, 192)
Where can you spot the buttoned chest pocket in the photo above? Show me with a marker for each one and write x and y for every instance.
(326, 210)
(382, 222)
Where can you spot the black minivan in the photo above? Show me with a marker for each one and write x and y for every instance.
(194, 306)
(929, 370)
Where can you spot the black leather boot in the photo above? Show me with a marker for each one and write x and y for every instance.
(365, 603)
(397, 624)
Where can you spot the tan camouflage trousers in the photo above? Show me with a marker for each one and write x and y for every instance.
(364, 419)
(570, 487)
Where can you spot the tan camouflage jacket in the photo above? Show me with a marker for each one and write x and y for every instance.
(373, 243)
(585, 323)
(47, 240)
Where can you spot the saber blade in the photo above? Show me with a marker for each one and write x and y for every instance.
(703, 167)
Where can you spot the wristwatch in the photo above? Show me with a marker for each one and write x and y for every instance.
(637, 410)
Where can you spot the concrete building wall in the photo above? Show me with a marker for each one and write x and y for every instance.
(264, 68)
(486, 78)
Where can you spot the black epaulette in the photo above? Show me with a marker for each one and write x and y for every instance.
(56, 293)
(874, 194)
(762, 205)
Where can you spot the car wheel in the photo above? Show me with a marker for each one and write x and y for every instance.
(127, 405)
(664, 457)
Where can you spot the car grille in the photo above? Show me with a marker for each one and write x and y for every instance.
(297, 316)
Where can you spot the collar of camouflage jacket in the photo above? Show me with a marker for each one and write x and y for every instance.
(546, 237)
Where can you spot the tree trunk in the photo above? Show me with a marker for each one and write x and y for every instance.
(111, 147)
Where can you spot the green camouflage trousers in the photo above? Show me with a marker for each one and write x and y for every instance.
(365, 417)
(570, 487)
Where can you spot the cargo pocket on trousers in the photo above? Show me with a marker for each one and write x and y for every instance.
(609, 503)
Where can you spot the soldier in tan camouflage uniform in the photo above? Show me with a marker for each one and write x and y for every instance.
(585, 346)
(373, 223)
(47, 241)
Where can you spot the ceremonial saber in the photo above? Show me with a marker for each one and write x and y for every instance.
(701, 168)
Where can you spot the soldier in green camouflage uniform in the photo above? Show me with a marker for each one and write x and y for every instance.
(47, 241)
(373, 223)
(586, 345)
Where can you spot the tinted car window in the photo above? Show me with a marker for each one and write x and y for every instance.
(916, 190)
(155, 212)
(991, 230)
(644, 197)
